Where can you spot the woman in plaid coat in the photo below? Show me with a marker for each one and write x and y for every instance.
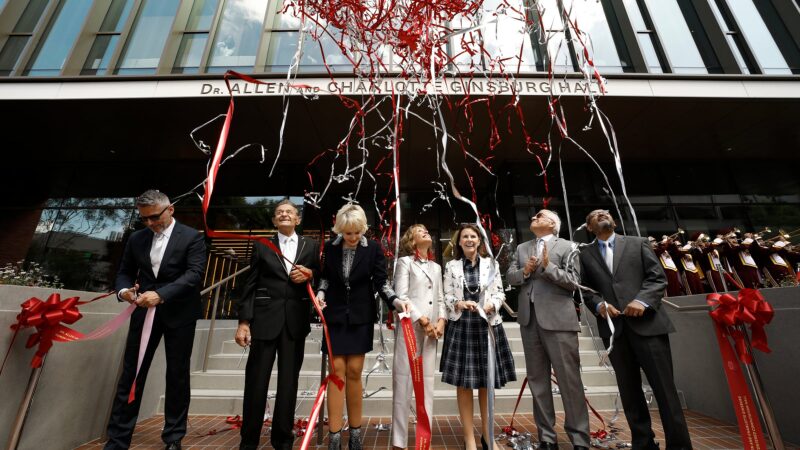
(472, 283)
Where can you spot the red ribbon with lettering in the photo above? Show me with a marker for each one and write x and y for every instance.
(730, 314)
(423, 433)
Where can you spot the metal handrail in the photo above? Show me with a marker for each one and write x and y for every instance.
(224, 280)
(216, 286)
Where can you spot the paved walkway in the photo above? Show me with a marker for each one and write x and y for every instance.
(707, 433)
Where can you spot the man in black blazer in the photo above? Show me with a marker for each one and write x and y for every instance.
(162, 268)
(627, 275)
(274, 317)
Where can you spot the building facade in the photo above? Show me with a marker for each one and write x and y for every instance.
(102, 99)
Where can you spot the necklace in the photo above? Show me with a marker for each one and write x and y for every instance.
(475, 292)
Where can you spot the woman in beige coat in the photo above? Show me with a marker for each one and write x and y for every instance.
(418, 285)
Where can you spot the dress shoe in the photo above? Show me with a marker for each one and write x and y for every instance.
(547, 446)
(173, 446)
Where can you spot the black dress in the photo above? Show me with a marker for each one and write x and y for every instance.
(351, 321)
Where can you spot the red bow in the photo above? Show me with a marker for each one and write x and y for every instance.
(47, 317)
(748, 307)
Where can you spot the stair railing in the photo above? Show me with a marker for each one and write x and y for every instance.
(216, 287)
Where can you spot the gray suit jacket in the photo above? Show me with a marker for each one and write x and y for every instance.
(550, 288)
(637, 276)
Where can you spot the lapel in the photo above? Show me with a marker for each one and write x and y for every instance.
(361, 252)
(594, 250)
(422, 267)
(484, 268)
(550, 244)
(619, 247)
(301, 244)
(171, 244)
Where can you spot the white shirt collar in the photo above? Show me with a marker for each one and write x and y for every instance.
(547, 238)
(282, 238)
(168, 231)
(610, 239)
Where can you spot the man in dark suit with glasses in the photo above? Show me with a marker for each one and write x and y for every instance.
(162, 267)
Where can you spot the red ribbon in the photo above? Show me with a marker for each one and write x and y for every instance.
(423, 440)
(47, 317)
(511, 431)
(748, 307)
(730, 315)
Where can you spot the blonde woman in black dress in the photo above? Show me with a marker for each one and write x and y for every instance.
(353, 270)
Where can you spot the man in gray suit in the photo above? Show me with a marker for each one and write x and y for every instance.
(549, 328)
(630, 281)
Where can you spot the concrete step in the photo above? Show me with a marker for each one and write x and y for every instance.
(234, 379)
(511, 329)
(229, 401)
(311, 362)
(230, 347)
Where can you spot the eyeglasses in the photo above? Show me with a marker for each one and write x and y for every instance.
(154, 217)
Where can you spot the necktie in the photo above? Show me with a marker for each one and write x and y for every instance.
(289, 252)
(539, 245)
(609, 257)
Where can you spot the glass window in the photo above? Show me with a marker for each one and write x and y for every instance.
(100, 54)
(81, 240)
(116, 16)
(735, 39)
(758, 37)
(507, 41)
(645, 35)
(190, 53)
(49, 57)
(146, 43)
(591, 20)
(30, 17)
(236, 41)
(676, 37)
(107, 37)
(283, 46)
(557, 47)
(202, 14)
(10, 53)
(20, 36)
(193, 42)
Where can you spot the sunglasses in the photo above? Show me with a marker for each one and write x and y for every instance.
(154, 217)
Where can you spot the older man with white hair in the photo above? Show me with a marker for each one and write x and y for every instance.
(549, 328)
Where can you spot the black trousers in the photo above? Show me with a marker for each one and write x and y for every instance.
(652, 354)
(178, 349)
(256, 384)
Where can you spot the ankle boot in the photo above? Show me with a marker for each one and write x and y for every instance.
(355, 438)
(335, 441)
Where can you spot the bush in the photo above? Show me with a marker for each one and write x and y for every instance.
(33, 275)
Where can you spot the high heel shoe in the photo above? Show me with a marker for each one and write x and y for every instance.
(355, 438)
(484, 445)
(335, 442)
